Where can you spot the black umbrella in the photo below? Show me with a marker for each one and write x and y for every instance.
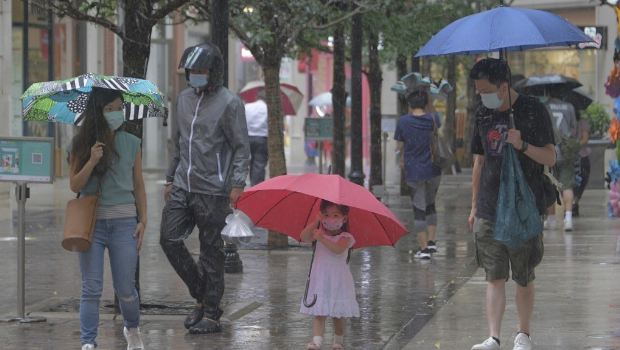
(577, 97)
(541, 85)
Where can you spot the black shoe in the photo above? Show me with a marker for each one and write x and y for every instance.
(432, 246)
(206, 326)
(575, 210)
(194, 317)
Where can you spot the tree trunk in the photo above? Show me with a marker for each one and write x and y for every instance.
(403, 108)
(137, 47)
(449, 126)
(339, 100)
(277, 161)
(357, 161)
(374, 80)
(472, 103)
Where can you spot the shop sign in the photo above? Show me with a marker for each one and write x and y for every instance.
(319, 129)
(599, 34)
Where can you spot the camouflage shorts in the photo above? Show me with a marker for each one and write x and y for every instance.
(498, 261)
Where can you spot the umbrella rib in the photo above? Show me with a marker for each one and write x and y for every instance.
(384, 228)
(273, 207)
(310, 211)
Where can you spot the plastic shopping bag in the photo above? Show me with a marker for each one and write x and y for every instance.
(517, 219)
(237, 229)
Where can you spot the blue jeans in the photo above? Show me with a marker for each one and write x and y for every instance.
(117, 236)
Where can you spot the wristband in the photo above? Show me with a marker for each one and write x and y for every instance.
(524, 147)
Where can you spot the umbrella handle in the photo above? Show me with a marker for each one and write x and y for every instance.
(305, 301)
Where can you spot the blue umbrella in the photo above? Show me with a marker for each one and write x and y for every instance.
(504, 28)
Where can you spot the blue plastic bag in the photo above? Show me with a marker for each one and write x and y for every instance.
(517, 219)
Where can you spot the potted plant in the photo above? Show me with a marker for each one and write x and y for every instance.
(599, 121)
(597, 117)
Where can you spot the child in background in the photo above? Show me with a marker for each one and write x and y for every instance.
(331, 279)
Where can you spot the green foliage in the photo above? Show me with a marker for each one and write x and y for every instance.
(597, 117)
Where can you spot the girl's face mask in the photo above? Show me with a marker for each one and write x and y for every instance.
(115, 119)
(332, 224)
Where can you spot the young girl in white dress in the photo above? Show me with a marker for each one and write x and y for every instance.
(331, 279)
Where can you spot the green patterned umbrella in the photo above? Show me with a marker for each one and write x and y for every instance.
(64, 101)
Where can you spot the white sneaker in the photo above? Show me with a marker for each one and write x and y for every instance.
(568, 224)
(422, 254)
(134, 338)
(489, 344)
(523, 342)
(88, 347)
(551, 225)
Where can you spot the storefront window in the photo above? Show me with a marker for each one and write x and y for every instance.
(577, 64)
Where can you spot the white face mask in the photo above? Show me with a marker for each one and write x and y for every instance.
(491, 100)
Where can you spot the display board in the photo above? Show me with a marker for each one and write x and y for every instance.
(319, 129)
(27, 159)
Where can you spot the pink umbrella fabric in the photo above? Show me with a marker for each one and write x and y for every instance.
(288, 203)
(292, 98)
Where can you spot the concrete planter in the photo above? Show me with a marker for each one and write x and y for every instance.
(598, 163)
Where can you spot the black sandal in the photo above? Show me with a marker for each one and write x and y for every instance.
(193, 318)
(206, 326)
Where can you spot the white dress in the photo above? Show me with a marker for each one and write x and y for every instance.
(332, 282)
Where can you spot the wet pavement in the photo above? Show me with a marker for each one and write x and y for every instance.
(404, 303)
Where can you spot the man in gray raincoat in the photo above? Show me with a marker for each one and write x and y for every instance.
(207, 174)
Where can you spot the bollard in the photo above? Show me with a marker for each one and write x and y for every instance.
(232, 261)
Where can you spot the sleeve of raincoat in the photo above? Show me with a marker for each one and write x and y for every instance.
(176, 156)
(236, 131)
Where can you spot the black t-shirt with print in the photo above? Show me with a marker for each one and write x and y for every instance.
(490, 129)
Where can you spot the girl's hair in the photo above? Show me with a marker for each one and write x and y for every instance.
(417, 99)
(95, 128)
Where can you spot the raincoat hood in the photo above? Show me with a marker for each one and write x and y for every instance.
(204, 57)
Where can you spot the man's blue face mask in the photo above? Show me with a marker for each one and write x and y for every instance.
(198, 80)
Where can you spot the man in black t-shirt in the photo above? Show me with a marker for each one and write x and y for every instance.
(533, 139)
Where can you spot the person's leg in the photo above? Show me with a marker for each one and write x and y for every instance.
(430, 211)
(260, 156)
(585, 177)
(524, 299)
(338, 329)
(417, 193)
(91, 266)
(496, 305)
(493, 257)
(317, 331)
(123, 252)
(177, 223)
(210, 213)
(523, 261)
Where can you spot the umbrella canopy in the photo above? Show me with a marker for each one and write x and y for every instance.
(289, 203)
(578, 97)
(290, 94)
(64, 101)
(509, 28)
(541, 85)
(414, 81)
(325, 99)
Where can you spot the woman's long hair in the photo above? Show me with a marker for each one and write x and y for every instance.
(95, 128)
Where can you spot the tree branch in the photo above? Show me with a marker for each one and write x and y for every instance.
(168, 8)
(339, 20)
(78, 15)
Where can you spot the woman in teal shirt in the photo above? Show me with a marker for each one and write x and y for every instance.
(101, 150)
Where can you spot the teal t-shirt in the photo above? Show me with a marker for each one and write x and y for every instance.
(117, 185)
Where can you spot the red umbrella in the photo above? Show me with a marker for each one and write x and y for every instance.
(288, 203)
(290, 94)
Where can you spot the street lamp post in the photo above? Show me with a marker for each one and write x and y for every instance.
(357, 171)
